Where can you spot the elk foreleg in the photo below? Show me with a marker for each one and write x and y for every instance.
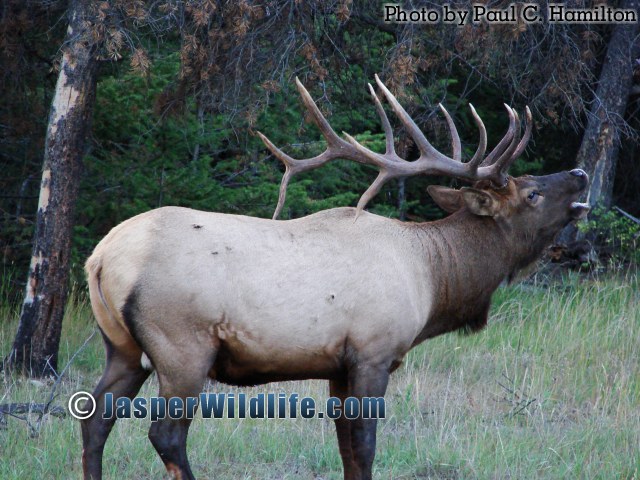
(339, 388)
(365, 381)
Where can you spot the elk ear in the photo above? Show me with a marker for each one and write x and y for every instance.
(448, 199)
(480, 202)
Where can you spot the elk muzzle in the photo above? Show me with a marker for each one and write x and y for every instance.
(579, 210)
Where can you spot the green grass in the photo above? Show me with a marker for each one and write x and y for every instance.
(549, 390)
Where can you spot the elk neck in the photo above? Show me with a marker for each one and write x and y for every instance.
(466, 257)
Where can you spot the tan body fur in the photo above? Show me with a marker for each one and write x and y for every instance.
(284, 299)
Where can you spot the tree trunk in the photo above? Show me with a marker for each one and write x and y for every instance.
(35, 348)
(598, 152)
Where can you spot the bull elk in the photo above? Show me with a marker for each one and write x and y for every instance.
(340, 295)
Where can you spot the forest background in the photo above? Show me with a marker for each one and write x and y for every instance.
(176, 91)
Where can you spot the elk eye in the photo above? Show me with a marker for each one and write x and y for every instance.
(533, 195)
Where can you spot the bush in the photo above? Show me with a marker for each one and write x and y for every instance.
(614, 236)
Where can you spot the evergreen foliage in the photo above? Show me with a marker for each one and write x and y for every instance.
(178, 105)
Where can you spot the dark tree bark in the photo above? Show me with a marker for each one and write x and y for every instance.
(598, 152)
(35, 348)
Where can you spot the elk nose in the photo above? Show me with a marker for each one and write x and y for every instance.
(578, 172)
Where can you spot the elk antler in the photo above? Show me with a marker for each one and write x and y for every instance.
(493, 167)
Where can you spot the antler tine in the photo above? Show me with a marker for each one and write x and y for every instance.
(506, 140)
(383, 177)
(318, 118)
(423, 144)
(503, 162)
(482, 144)
(372, 157)
(525, 138)
(455, 138)
(290, 163)
(336, 148)
(388, 131)
(292, 166)
(390, 165)
(282, 194)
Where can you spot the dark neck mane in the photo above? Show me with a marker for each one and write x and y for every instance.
(468, 257)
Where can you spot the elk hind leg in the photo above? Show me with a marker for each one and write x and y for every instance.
(123, 376)
(180, 377)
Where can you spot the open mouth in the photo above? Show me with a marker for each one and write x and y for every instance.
(579, 210)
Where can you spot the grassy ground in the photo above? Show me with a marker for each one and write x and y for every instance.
(549, 390)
